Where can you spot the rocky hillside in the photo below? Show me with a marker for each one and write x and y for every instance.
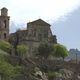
(36, 69)
(39, 67)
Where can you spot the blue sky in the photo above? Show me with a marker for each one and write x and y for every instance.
(67, 29)
(64, 15)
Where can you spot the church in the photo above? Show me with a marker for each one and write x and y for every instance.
(36, 32)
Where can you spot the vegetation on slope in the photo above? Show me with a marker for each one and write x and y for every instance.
(25, 70)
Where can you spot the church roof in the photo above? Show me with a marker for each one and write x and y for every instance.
(39, 22)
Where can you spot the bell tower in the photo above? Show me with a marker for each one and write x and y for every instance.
(4, 24)
(4, 11)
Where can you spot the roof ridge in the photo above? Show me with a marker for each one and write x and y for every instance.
(40, 22)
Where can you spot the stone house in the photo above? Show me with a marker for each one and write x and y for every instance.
(37, 32)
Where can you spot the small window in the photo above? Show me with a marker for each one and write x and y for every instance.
(5, 23)
(4, 35)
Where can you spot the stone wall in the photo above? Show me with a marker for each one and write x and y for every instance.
(34, 35)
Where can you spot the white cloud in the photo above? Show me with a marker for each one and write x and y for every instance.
(25, 10)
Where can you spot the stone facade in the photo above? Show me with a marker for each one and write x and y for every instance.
(4, 24)
(37, 32)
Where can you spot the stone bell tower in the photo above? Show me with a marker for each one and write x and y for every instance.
(4, 24)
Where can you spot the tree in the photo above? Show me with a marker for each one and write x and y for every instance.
(7, 70)
(22, 50)
(45, 50)
(60, 51)
(5, 46)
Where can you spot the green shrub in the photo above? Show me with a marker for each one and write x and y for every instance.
(5, 46)
(22, 50)
(52, 75)
(45, 50)
(7, 70)
(60, 51)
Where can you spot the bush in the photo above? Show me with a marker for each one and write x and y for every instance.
(7, 70)
(5, 46)
(22, 50)
(45, 50)
(52, 75)
(60, 51)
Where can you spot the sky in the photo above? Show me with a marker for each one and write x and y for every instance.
(56, 12)
(68, 29)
